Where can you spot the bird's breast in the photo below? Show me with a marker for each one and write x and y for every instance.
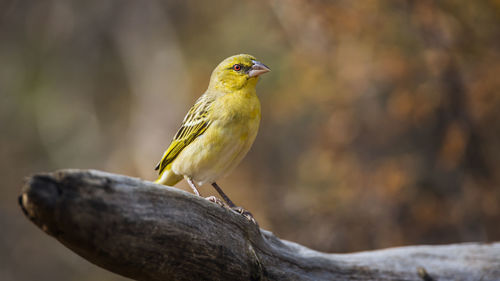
(239, 108)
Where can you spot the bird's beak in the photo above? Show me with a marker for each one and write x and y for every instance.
(257, 69)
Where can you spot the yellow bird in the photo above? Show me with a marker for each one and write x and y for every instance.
(218, 130)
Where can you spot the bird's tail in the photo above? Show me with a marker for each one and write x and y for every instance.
(168, 177)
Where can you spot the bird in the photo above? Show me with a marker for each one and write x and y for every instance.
(218, 130)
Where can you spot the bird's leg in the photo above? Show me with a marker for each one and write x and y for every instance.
(232, 206)
(223, 195)
(192, 185)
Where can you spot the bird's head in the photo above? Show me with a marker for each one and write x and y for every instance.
(237, 72)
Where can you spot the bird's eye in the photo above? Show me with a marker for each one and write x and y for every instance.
(237, 67)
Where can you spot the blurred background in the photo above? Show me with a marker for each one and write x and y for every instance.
(380, 119)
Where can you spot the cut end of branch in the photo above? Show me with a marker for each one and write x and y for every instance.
(38, 201)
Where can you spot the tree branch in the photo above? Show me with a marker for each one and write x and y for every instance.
(146, 231)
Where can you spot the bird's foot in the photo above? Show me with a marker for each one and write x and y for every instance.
(217, 201)
(244, 213)
(238, 210)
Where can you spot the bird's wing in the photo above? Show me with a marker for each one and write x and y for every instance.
(195, 124)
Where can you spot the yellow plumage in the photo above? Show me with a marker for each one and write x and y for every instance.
(219, 129)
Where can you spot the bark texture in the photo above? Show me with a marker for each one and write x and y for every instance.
(146, 231)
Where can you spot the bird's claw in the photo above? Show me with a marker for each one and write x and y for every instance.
(238, 210)
(244, 213)
(217, 201)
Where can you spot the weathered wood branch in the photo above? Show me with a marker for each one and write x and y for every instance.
(150, 232)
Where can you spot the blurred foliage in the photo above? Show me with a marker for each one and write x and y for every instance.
(380, 119)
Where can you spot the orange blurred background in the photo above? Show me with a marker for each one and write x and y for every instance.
(380, 119)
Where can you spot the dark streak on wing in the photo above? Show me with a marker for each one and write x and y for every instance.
(195, 124)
